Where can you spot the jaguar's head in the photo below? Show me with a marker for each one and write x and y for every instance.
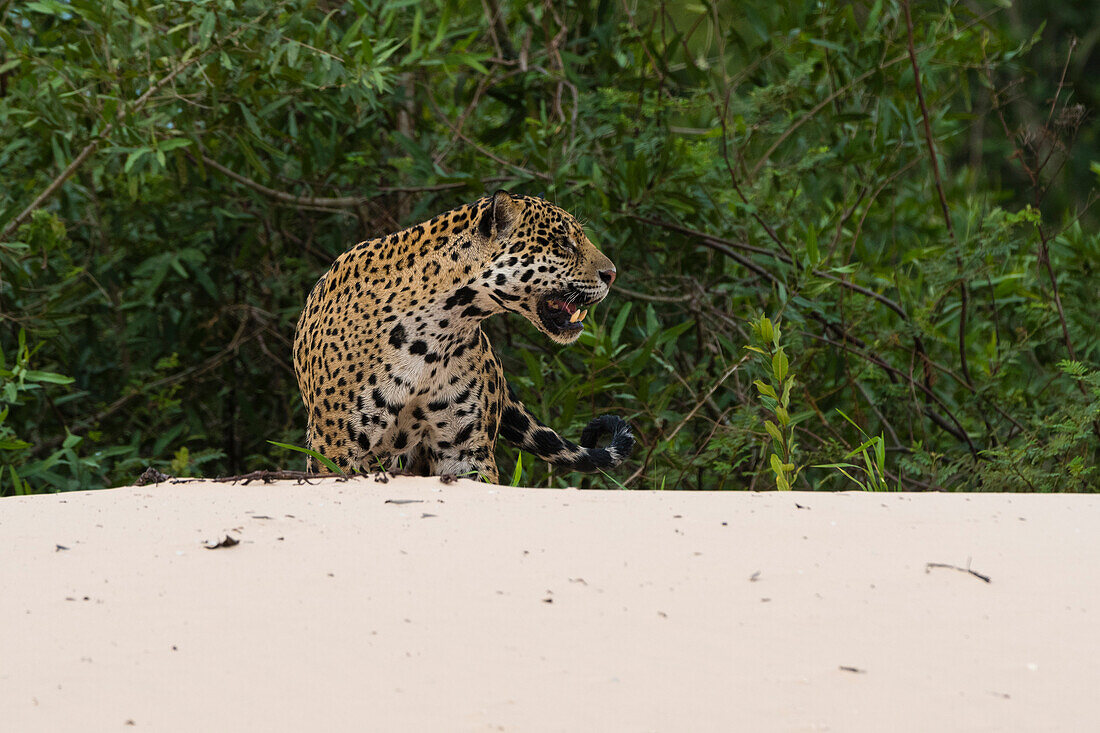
(542, 264)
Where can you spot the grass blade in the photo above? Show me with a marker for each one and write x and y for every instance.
(327, 463)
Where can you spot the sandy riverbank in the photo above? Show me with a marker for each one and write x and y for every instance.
(418, 606)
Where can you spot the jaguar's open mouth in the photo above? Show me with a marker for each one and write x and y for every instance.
(562, 317)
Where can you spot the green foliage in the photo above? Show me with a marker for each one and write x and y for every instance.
(179, 174)
(1057, 452)
(21, 472)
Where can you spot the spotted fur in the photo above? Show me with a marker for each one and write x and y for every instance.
(394, 368)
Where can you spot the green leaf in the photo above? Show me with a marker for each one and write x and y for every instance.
(766, 389)
(13, 444)
(785, 401)
(250, 120)
(133, 158)
(19, 485)
(780, 365)
(471, 61)
(206, 30)
(620, 322)
(868, 466)
(49, 7)
(173, 143)
(414, 37)
(766, 330)
(671, 334)
(827, 44)
(353, 34)
(813, 256)
(50, 377)
(861, 449)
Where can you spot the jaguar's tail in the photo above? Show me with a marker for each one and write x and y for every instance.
(523, 430)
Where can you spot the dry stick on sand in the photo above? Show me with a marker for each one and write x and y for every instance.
(928, 567)
(269, 476)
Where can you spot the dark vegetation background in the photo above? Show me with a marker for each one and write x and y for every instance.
(906, 193)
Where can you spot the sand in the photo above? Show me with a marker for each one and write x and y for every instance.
(418, 606)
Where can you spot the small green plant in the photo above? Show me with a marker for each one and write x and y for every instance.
(775, 396)
(873, 452)
(326, 462)
(188, 463)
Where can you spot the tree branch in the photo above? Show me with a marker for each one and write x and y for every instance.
(337, 202)
(653, 298)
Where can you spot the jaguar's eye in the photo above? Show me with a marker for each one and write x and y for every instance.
(567, 245)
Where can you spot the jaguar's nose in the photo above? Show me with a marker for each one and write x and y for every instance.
(608, 276)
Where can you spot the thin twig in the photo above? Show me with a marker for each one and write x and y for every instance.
(726, 246)
(653, 298)
(1061, 82)
(1043, 255)
(927, 123)
(325, 203)
(702, 446)
(737, 186)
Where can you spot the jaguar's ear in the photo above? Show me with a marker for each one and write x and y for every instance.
(500, 215)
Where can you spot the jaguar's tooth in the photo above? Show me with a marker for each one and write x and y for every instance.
(577, 315)
(583, 314)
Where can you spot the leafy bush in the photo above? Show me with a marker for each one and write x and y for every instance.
(891, 183)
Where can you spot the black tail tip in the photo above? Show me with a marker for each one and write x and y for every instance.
(622, 439)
